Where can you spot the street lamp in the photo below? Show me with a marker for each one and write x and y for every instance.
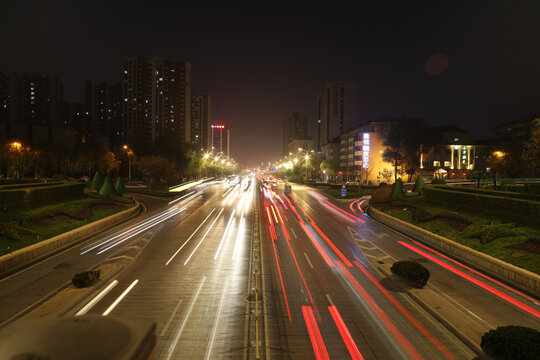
(128, 151)
(307, 158)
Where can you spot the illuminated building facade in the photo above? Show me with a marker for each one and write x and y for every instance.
(201, 122)
(221, 136)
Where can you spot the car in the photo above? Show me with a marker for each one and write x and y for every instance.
(287, 189)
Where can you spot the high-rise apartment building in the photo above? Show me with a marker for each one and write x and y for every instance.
(201, 122)
(31, 98)
(157, 100)
(294, 128)
(336, 111)
(103, 110)
(221, 136)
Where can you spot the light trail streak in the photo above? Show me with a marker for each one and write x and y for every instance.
(96, 299)
(216, 322)
(408, 315)
(184, 322)
(274, 212)
(180, 198)
(331, 244)
(317, 245)
(140, 231)
(184, 244)
(185, 186)
(224, 235)
(345, 334)
(406, 345)
(226, 192)
(269, 217)
(475, 281)
(281, 281)
(479, 273)
(314, 334)
(204, 236)
(118, 234)
(120, 298)
(238, 236)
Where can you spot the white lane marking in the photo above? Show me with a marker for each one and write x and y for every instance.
(204, 236)
(142, 230)
(292, 230)
(224, 235)
(309, 262)
(216, 322)
(171, 317)
(180, 198)
(95, 300)
(330, 300)
(226, 192)
(184, 244)
(117, 301)
(238, 235)
(473, 314)
(181, 328)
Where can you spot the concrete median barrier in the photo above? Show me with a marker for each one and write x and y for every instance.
(29, 255)
(522, 279)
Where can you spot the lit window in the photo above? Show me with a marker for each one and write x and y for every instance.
(447, 163)
(456, 139)
(436, 163)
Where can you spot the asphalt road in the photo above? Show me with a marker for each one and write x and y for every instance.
(324, 294)
(332, 302)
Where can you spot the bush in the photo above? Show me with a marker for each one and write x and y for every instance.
(437, 181)
(512, 342)
(11, 196)
(532, 188)
(499, 192)
(414, 273)
(533, 239)
(508, 182)
(381, 195)
(517, 208)
(55, 192)
(488, 233)
(86, 278)
(383, 184)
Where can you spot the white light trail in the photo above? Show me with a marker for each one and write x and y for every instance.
(140, 231)
(95, 300)
(204, 236)
(238, 236)
(180, 198)
(184, 244)
(186, 317)
(224, 235)
(216, 321)
(117, 301)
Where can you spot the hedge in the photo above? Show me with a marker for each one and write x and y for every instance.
(512, 342)
(510, 194)
(517, 208)
(413, 272)
(41, 193)
(24, 186)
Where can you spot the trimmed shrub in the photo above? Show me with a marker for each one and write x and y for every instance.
(381, 195)
(46, 193)
(533, 188)
(499, 192)
(11, 196)
(397, 190)
(412, 272)
(383, 184)
(107, 188)
(488, 233)
(512, 342)
(418, 185)
(437, 181)
(508, 182)
(25, 186)
(533, 239)
(517, 208)
(119, 187)
(97, 182)
(85, 278)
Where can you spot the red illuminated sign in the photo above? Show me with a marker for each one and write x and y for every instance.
(218, 126)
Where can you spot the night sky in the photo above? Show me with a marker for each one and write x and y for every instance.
(260, 64)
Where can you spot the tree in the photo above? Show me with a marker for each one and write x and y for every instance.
(531, 153)
(97, 182)
(119, 187)
(418, 185)
(386, 175)
(392, 155)
(156, 168)
(398, 192)
(107, 162)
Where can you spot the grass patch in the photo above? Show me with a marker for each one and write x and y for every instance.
(30, 223)
(499, 247)
(352, 193)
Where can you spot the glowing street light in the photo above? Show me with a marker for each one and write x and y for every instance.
(128, 150)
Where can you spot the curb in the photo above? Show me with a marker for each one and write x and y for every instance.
(454, 329)
(22, 258)
(522, 279)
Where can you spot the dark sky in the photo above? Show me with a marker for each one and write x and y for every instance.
(259, 64)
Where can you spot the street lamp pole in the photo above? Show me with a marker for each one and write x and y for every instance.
(129, 161)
